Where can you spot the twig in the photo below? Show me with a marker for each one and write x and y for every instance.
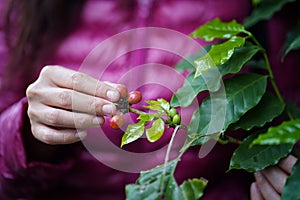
(167, 156)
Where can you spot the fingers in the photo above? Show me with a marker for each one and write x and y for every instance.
(287, 163)
(80, 82)
(255, 193)
(63, 118)
(267, 191)
(276, 176)
(73, 100)
(61, 100)
(53, 136)
(121, 88)
(270, 181)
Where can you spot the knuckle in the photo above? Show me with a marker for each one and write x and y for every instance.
(65, 99)
(93, 104)
(31, 113)
(42, 135)
(52, 117)
(31, 91)
(34, 130)
(36, 133)
(46, 70)
(77, 79)
(48, 137)
(64, 138)
(80, 122)
(99, 87)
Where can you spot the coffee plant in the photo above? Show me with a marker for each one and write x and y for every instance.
(249, 106)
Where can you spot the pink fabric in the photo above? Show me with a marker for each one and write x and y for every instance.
(80, 175)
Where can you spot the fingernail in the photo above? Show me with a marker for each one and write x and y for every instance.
(81, 134)
(97, 121)
(108, 109)
(258, 176)
(113, 95)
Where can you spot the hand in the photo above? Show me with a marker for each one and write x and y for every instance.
(53, 113)
(270, 181)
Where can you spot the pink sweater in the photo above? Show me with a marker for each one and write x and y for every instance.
(80, 174)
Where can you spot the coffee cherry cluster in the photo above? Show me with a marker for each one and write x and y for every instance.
(173, 117)
(133, 97)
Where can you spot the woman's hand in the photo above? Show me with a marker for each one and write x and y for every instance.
(270, 181)
(62, 101)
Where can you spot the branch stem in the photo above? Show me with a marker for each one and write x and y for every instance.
(271, 75)
(136, 111)
(230, 139)
(168, 156)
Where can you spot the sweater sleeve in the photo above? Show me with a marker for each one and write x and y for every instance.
(19, 176)
(13, 155)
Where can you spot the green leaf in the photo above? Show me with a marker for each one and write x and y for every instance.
(289, 190)
(295, 44)
(256, 64)
(258, 157)
(218, 29)
(145, 117)
(193, 189)
(286, 133)
(267, 109)
(156, 131)
(243, 92)
(192, 87)
(293, 40)
(164, 104)
(203, 119)
(159, 183)
(240, 57)
(132, 133)
(151, 184)
(218, 55)
(188, 62)
(161, 105)
(292, 108)
(264, 11)
(256, 2)
(153, 105)
(173, 191)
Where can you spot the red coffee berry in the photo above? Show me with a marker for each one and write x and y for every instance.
(116, 121)
(134, 97)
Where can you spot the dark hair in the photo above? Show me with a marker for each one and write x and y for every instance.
(32, 29)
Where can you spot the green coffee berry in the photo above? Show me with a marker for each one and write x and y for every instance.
(176, 119)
